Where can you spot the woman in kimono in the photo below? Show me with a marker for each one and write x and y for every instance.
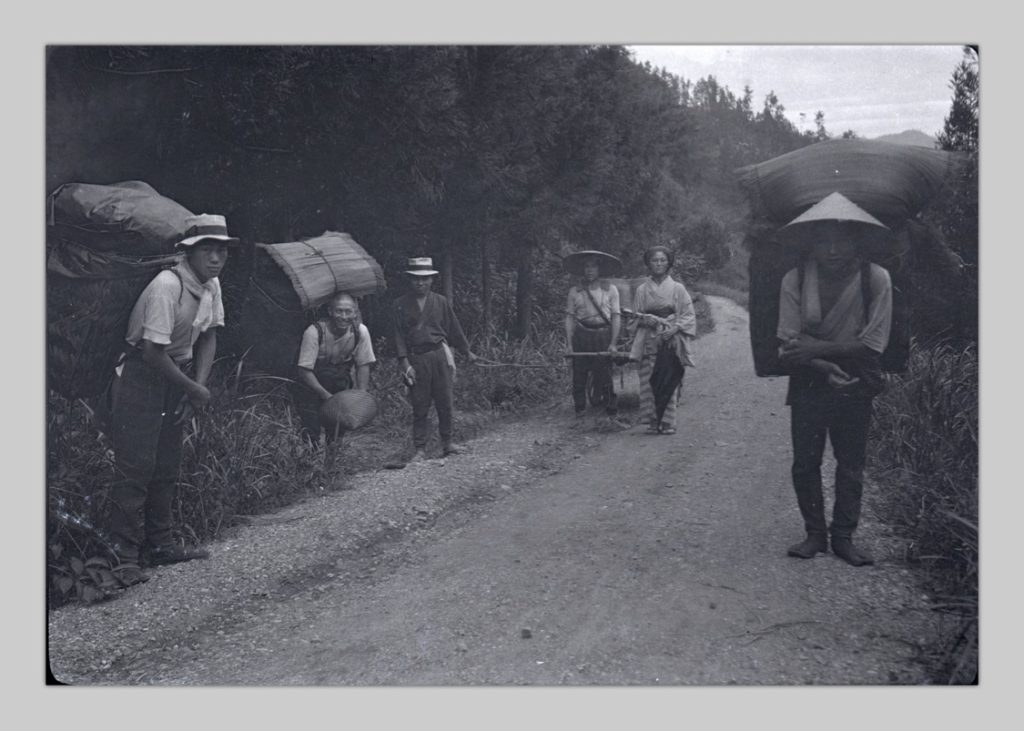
(665, 319)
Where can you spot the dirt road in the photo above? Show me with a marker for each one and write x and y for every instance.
(548, 555)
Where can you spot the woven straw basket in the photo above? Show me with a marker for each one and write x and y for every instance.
(348, 410)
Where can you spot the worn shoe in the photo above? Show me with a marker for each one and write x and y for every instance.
(162, 555)
(452, 449)
(844, 548)
(809, 547)
(121, 577)
(418, 456)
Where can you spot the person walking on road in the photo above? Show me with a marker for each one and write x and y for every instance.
(426, 330)
(592, 322)
(158, 388)
(666, 325)
(833, 326)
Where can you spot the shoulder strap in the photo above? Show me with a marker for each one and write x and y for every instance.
(355, 337)
(356, 334)
(865, 287)
(181, 282)
(597, 307)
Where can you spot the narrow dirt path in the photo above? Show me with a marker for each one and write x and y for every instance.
(548, 555)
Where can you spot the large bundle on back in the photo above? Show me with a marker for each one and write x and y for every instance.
(104, 244)
(891, 182)
(287, 284)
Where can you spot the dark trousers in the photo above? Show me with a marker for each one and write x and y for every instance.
(147, 454)
(845, 421)
(307, 403)
(433, 386)
(599, 370)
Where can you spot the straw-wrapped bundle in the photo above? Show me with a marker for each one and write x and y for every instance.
(272, 294)
(332, 262)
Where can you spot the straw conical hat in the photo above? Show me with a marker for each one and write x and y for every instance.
(608, 265)
(836, 207)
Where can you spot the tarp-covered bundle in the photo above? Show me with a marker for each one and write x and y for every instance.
(128, 218)
(104, 244)
(891, 182)
(286, 284)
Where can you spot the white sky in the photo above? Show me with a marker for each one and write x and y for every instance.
(871, 89)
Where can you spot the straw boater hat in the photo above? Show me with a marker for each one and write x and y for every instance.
(805, 229)
(206, 226)
(607, 265)
(422, 266)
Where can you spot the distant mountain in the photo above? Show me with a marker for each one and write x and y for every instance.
(909, 137)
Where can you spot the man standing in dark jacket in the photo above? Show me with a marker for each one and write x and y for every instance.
(426, 330)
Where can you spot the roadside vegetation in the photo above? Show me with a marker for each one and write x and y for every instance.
(496, 161)
(925, 458)
(244, 457)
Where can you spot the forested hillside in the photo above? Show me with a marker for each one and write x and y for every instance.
(494, 160)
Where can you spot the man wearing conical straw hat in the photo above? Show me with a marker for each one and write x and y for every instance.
(592, 322)
(835, 312)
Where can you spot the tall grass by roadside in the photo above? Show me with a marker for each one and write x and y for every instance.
(243, 455)
(925, 453)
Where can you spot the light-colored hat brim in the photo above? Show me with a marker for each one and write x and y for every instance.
(422, 272)
(192, 240)
(805, 229)
(607, 265)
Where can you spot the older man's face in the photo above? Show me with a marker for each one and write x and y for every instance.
(343, 313)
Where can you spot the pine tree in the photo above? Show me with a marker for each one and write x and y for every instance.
(957, 213)
(960, 133)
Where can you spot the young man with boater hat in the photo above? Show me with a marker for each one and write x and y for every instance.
(833, 326)
(426, 330)
(171, 343)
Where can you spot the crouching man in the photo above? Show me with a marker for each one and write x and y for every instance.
(171, 342)
(335, 355)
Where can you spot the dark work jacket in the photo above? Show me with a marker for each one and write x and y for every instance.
(417, 331)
